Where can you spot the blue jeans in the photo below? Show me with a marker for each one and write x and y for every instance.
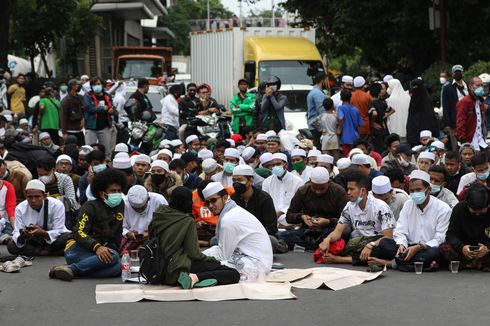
(85, 263)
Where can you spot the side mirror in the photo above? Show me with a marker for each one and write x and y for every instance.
(249, 72)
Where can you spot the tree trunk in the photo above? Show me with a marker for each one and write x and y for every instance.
(4, 35)
(33, 69)
(43, 58)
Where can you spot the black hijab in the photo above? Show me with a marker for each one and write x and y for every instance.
(181, 199)
(421, 114)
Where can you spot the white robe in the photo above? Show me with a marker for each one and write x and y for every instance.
(242, 239)
(134, 221)
(400, 101)
(305, 175)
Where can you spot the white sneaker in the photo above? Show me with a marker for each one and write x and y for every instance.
(10, 267)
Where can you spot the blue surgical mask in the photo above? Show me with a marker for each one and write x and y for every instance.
(418, 197)
(113, 200)
(99, 168)
(435, 189)
(63, 88)
(480, 91)
(483, 176)
(228, 167)
(278, 171)
(97, 88)
(358, 200)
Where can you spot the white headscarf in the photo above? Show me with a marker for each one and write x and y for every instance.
(400, 101)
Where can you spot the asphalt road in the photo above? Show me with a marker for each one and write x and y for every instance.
(396, 298)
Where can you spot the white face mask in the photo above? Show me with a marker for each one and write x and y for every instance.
(46, 179)
(273, 87)
(442, 80)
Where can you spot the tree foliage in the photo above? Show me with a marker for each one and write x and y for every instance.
(395, 35)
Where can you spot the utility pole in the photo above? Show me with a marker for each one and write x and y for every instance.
(443, 21)
(240, 13)
(273, 21)
(208, 23)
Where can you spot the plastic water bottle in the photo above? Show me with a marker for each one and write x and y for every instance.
(125, 266)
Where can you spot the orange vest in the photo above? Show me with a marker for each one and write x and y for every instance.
(201, 212)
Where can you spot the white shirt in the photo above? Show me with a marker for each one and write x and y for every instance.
(465, 180)
(25, 216)
(242, 236)
(372, 221)
(422, 227)
(305, 175)
(448, 197)
(282, 191)
(119, 102)
(134, 221)
(396, 202)
(224, 178)
(170, 111)
(336, 100)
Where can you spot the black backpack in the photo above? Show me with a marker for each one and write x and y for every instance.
(153, 267)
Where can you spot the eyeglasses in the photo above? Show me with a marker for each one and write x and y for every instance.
(211, 201)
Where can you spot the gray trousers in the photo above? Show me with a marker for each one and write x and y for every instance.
(100, 136)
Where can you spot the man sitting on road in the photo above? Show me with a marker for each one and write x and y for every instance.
(39, 224)
(467, 238)
(438, 177)
(371, 222)
(394, 197)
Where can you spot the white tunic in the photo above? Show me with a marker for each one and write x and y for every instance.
(282, 191)
(25, 216)
(422, 227)
(134, 221)
(305, 175)
(242, 237)
(170, 111)
(224, 178)
(448, 197)
(372, 221)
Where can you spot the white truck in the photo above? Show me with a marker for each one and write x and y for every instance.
(221, 58)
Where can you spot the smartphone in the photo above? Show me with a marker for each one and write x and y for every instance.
(474, 248)
(101, 103)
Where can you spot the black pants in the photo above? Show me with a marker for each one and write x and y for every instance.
(223, 274)
(316, 138)
(122, 134)
(34, 246)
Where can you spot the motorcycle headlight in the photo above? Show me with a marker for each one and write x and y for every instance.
(137, 133)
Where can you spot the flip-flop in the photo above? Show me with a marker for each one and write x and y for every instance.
(206, 283)
(185, 280)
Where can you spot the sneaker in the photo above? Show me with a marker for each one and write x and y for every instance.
(9, 267)
(61, 272)
(22, 261)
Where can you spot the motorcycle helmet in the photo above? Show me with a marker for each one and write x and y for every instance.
(274, 80)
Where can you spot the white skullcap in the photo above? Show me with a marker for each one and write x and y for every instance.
(265, 158)
(204, 154)
(85, 149)
(425, 133)
(23, 121)
(314, 153)
(165, 143)
(387, 78)
(209, 165)
(416, 148)
(44, 135)
(84, 77)
(176, 156)
(262, 137)
(438, 144)
(420, 175)
(429, 155)
(243, 169)
(36, 185)
(190, 139)
(324, 158)
(360, 159)
(121, 147)
(381, 185)
(154, 157)
(232, 152)
(121, 161)
(165, 152)
(240, 149)
(298, 152)
(231, 141)
(247, 153)
(359, 81)
(280, 156)
(160, 164)
(143, 158)
(8, 117)
(347, 79)
(212, 189)
(343, 163)
(137, 196)
(270, 133)
(355, 151)
(176, 142)
(64, 157)
(319, 175)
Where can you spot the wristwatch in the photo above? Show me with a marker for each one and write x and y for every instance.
(372, 244)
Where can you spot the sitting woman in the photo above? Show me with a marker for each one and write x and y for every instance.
(176, 230)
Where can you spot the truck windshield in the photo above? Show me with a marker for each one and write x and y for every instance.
(296, 101)
(133, 68)
(290, 72)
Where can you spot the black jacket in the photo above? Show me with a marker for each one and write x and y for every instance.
(453, 180)
(449, 98)
(261, 206)
(99, 225)
(144, 105)
(465, 229)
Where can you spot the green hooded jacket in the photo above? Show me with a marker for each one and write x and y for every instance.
(245, 109)
(178, 238)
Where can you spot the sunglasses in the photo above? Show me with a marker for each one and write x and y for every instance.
(211, 201)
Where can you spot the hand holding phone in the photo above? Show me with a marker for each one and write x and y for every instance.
(474, 248)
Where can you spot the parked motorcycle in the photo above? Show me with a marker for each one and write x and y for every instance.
(215, 126)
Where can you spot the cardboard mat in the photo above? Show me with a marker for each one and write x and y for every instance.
(117, 293)
(277, 287)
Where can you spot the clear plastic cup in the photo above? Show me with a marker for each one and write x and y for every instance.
(454, 266)
(419, 266)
